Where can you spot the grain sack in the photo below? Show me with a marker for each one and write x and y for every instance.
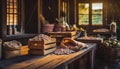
(11, 49)
(12, 45)
(11, 54)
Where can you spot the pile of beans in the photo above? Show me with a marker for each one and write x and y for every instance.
(41, 37)
(63, 51)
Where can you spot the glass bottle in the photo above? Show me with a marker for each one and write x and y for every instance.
(113, 27)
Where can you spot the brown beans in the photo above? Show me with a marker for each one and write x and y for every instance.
(63, 51)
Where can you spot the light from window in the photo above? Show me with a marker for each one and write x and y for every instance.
(83, 13)
(12, 12)
(64, 9)
(97, 13)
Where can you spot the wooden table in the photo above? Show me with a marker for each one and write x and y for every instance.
(104, 32)
(90, 39)
(71, 34)
(52, 61)
(60, 35)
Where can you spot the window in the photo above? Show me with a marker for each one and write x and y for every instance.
(83, 13)
(12, 12)
(97, 13)
(90, 14)
(13, 17)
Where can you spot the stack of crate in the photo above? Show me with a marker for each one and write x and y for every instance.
(41, 47)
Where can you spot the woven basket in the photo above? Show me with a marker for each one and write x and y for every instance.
(111, 54)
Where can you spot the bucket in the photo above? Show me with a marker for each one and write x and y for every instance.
(58, 28)
(47, 28)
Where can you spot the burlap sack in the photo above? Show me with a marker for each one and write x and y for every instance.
(10, 54)
(12, 45)
(11, 49)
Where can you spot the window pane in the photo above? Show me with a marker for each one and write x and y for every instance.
(15, 10)
(83, 19)
(83, 8)
(83, 13)
(12, 12)
(97, 13)
(96, 19)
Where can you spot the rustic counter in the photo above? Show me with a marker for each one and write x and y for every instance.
(90, 39)
(52, 61)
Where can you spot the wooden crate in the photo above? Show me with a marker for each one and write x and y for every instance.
(42, 47)
(41, 52)
(42, 44)
(24, 50)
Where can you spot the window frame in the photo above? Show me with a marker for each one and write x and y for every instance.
(11, 12)
(90, 14)
(20, 19)
(83, 14)
(98, 14)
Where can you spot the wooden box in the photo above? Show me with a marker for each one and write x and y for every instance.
(42, 47)
(42, 44)
(41, 51)
(24, 50)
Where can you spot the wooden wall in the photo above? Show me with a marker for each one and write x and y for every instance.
(31, 16)
(2, 18)
(114, 14)
(50, 10)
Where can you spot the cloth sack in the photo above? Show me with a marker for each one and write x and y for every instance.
(12, 45)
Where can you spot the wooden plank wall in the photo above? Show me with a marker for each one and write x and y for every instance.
(2, 18)
(50, 10)
(31, 16)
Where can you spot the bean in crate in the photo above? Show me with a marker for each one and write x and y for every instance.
(41, 45)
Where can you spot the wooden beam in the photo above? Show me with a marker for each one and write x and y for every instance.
(59, 2)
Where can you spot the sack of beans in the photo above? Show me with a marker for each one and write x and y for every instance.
(12, 45)
(11, 49)
(72, 44)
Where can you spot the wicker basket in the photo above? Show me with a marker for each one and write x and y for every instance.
(111, 54)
